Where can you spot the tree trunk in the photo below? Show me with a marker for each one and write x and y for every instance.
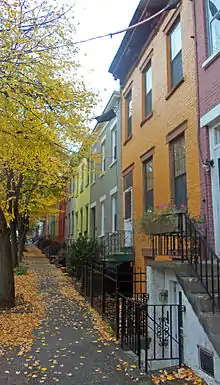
(7, 291)
(14, 246)
(21, 240)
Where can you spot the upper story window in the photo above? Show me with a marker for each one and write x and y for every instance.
(114, 144)
(175, 52)
(148, 90)
(213, 8)
(82, 178)
(148, 184)
(73, 185)
(92, 169)
(129, 115)
(103, 161)
(178, 170)
(88, 171)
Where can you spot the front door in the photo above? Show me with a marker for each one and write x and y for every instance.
(93, 222)
(128, 210)
(215, 154)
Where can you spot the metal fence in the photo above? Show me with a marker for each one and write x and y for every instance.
(118, 293)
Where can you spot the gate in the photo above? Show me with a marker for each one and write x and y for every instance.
(152, 332)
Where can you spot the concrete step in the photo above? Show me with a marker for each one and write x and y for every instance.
(194, 285)
(212, 321)
(202, 302)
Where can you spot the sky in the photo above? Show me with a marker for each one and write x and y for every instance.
(99, 17)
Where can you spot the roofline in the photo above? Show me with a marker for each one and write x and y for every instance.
(112, 100)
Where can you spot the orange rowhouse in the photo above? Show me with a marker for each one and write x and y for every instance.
(156, 67)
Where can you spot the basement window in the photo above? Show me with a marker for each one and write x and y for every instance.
(206, 361)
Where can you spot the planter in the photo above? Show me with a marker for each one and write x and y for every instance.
(162, 224)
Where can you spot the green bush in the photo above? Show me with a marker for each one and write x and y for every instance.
(82, 250)
(21, 269)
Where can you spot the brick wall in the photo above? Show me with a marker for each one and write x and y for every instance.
(208, 97)
(167, 115)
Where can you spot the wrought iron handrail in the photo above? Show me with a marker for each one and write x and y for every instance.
(115, 242)
(188, 244)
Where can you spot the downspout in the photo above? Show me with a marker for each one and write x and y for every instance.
(202, 162)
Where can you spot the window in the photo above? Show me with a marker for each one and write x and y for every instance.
(206, 361)
(81, 220)
(129, 114)
(77, 224)
(114, 144)
(175, 50)
(148, 90)
(128, 183)
(102, 219)
(103, 157)
(69, 224)
(82, 178)
(77, 184)
(213, 9)
(87, 219)
(92, 171)
(72, 222)
(88, 170)
(148, 184)
(178, 167)
(114, 213)
(73, 185)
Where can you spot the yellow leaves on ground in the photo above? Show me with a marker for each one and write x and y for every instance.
(67, 289)
(17, 324)
(186, 375)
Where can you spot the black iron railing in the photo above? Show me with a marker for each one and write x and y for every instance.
(119, 242)
(152, 332)
(187, 243)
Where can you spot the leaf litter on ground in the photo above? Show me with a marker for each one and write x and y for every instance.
(182, 375)
(17, 324)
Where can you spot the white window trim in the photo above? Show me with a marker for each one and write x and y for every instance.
(114, 124)
(210, 117)
(102, 199)
(103, 139)
(93, 204)
(102, 234)
(114, 190)
(113, 212)
(112, 164)
(210, 59)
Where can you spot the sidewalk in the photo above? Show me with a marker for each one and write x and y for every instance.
(32, 251)
(67, 349)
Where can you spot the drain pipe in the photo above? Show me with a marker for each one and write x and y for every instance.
(203, 164)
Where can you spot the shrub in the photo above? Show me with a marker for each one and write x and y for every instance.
(21, 269)
(82, 250)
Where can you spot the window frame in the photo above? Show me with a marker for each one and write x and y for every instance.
(148, 66)
(114, 212)
(211, 51)
(72, 227)
(128, 100)
(114, 143)
(170, 61)
(173, 170)
(102, 221)
(145, 184)
(103, 160)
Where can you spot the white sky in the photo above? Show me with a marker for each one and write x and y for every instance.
(98, 17)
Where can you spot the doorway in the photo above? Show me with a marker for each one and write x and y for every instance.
(215, 174)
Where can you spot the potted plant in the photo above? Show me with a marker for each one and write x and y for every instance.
(162, 219)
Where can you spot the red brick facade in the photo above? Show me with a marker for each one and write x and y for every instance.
(208, 92)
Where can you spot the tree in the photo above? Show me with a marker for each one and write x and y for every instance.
(44, 120)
